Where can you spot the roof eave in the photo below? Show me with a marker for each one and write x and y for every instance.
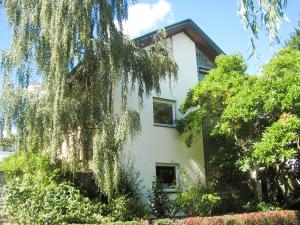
(192, 30)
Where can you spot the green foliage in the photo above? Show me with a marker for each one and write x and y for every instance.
(212, 94)
(37, 193)
(259, 113)
(265, 207)
(197, 201)
(125, 208)
(294, 41)
(36, 164)
(283, 217)
(78, 58)
(33, 194)
(275, 92)
(160, 204)
(280, 141)
(264, 15)
(256, 107)
(28, 202)
(107, 148)
(163, 222)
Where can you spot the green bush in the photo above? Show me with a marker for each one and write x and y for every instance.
(259, 218)
(125, 208)
(197, 200)
(28, 202)
(284, 217)
(160, 204)
(37, 193)
(28, 163)
(265, 207)
(163, 222)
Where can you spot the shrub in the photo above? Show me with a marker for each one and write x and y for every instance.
(197, 200)
(287, 217)
(34, 194)
(259, 218)
(125, 208)
(27, 202)
(28, 162)
(160, 203)
(37, 193)
(85, 182)
(265, 207)
(163, 222)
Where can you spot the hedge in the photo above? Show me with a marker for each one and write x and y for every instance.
(284, 217)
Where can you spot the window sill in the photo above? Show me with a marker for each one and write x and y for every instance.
(164, 125)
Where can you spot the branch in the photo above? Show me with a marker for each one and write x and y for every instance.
(266, 14)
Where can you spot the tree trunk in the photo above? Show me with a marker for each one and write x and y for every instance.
(255, 185)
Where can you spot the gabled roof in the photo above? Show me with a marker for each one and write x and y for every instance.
(191, 29)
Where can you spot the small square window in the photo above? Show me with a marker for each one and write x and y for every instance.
(166, 174)
(164, 112)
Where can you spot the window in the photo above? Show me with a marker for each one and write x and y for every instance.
(166, 174)
(203, 64)
(164, 112)
(202, 72)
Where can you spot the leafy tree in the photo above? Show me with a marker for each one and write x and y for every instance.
(79, 58)
(212, 94)
(256, 109)
(253, 116)
(205, 103)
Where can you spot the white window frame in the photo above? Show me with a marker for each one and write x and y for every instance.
(168, 101)
(176, 166)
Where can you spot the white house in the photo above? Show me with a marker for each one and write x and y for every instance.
(159, 151)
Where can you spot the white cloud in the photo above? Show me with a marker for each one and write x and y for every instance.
(142, 17)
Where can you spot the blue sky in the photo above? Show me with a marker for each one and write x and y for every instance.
(218, 19)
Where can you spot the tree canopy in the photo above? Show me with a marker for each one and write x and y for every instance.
(261, 113)
(78, 57)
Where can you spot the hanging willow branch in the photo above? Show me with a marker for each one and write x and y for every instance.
(264, 15)
(74, 49)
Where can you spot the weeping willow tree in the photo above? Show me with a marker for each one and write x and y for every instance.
(75, 50)
(262, 15)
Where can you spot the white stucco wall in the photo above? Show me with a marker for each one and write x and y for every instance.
(163, 144)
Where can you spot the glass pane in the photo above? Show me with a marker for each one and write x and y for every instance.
(163, 112)
(166, 175)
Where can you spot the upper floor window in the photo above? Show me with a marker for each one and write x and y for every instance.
(203, 64)
(164, 112)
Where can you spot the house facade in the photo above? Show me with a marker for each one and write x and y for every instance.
(159, 152)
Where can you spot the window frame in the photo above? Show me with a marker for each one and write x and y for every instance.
(169, 101)
(176, 166)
